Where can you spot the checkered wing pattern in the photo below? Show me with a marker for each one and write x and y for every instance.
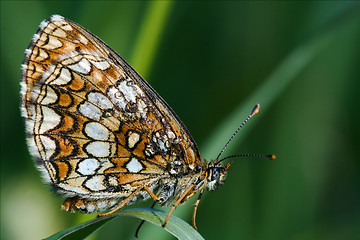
(95, 127)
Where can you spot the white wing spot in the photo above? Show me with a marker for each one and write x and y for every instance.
(134, 166)
(100, 100)
(141, 108)
(49, 146)
(83, 66)
(53, 43)
(113, 181)
(41, 55)
(171, 134)
(88, 166)
(48, 74)
(161, 141)
(98, 149)
(50, 97)
(59, 33)
(96, 183)
(103, 65)
(90, 111)
(63, 78)
(83, 39)
(69, 187)
(96, 131)
(130, 91)
(117, 98)
(133, 139)
(50, 119)
(149, 151)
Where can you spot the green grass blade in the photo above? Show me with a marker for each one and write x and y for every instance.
(177, 227)
(82, 230)
(149, 37)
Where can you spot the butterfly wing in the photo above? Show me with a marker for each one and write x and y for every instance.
(95, 126)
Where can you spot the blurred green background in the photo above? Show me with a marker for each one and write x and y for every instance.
(212, 62)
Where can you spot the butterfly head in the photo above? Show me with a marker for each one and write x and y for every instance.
(216, 174)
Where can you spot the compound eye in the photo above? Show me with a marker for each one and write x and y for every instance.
(214, 173)
(197, 169)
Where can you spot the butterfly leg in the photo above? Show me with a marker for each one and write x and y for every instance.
(187, 191)
(151, 194)
(123, 203)
(195, 208)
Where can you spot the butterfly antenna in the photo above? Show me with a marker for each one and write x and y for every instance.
(269, 156)
(253, 112)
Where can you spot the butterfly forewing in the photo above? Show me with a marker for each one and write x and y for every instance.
(95, 127)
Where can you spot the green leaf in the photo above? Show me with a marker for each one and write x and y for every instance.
(177, 227)
(81, 230)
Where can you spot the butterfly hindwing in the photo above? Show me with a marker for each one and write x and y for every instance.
(96, 128)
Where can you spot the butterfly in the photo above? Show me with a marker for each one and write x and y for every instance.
(99, 134)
